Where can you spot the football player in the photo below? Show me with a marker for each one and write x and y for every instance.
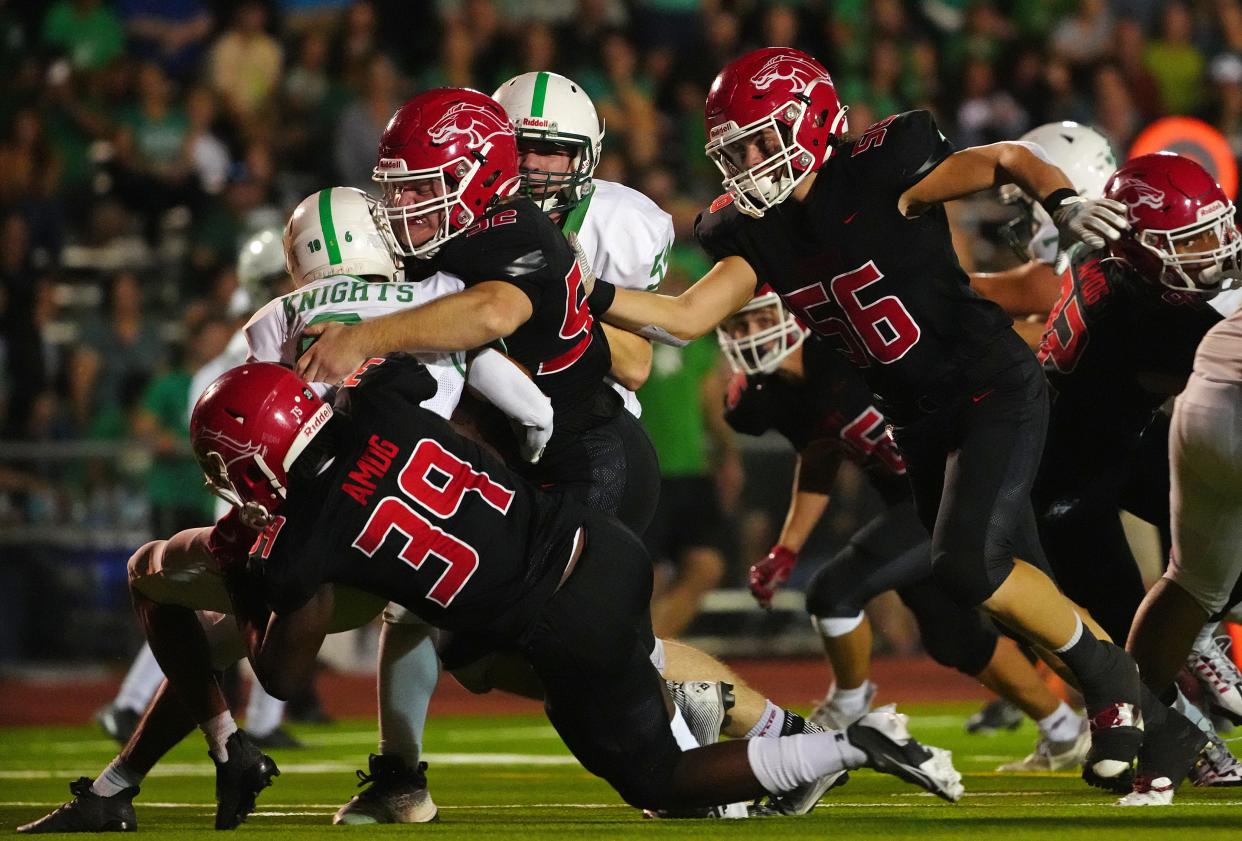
(798, 385)
(333, 245)
(450, 532)
(1110, 378)
(852, 235)
(1030, 289)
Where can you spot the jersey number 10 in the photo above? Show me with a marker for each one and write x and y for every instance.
(438, 481)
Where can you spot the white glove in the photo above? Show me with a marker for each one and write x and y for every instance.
(505, 386)
(1089, 221)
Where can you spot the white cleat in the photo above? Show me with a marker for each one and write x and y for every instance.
(1216, 766)
(1147, 792)
(395, 793)
(1054, 756)
(884, 736)
(829, 714)
(1219, 676)
(704, 705)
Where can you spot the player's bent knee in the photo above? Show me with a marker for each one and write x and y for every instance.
(143, 563)
(828, 600)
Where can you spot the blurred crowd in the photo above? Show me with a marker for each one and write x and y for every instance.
(141, 142)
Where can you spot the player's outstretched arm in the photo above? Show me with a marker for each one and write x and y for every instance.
(462, 321)
(695, 312)
(282, 650)
(631, 357)
(1030, 288)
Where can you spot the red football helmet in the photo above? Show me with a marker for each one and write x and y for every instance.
(248, 428)
(1182, 230)
(782, 101)
(454, 150)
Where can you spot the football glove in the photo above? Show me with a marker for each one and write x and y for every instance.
(1090, 221)
(770, 573)
(230, 541)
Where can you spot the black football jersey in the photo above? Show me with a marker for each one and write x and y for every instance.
(413, 512)
(831, 405)
(1117, 346)
(886, 291)
(562, 345)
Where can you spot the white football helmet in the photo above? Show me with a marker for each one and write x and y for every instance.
(549, 108)
(759, 336)
(339, 231)
(260, 271)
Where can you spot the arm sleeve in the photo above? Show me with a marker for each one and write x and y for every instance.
(713, 228)
(504, 386)
(265, 334)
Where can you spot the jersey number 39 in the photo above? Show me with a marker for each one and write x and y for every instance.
(438, 481)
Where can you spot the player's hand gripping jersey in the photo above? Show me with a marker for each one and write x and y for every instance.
(831, 409)
(887, 291)
(274, 333)
(411, 511)
(1118, 342)
(561, 344)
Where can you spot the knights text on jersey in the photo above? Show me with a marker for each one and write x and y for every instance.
(1118, 341)
(411, 511)
(562, 345)
(830, 404)
(886, 291)
(274, 333)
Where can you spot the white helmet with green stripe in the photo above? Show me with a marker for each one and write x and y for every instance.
(261, 271)
(548, 108)
(338, 231)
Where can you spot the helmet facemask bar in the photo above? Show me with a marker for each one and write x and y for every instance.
(766, 184)
(556, 192)
(1212, 267)
(216, 475)
(763, 350)
(446, 202)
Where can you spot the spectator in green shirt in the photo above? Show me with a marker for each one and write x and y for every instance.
(87, 31)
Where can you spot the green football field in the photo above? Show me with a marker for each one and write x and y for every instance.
(510, 778)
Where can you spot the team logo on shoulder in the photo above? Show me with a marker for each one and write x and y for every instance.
(476, 123)
(797, 72)
(721, 202)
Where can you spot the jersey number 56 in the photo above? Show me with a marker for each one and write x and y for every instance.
(883, 327)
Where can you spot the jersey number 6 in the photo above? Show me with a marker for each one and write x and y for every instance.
(438, 481)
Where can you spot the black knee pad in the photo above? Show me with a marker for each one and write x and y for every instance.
(829, 596)
(953, 635)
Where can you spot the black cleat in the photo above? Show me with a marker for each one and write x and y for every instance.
(118, 722)
(394, 793)
(1116, 736)
(239, 780)
(883, 736)
(89, 812)
(994, 717)
(280, 738)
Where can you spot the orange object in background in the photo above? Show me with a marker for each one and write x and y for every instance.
(1235, 634)
(1193, 139)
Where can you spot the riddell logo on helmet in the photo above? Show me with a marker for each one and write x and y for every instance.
(536, 122)
(390, 163)
(1212, 209)
(316, 422)
(798, 72)
(476, 123)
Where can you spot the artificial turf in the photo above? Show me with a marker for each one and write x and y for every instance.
(510, 778)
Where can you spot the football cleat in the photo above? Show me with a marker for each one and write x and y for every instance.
(734, 811)
(1216, 766)
(1219, 676)
(705, 706)
(803, 798)
(883, 735)
(280, 738)
(394, 793)
(118, 722)
(1054, 756)
(239, 780)
(1116, 735)
(89, 812)
(1167, 755)
(830, 715)
(995, 716)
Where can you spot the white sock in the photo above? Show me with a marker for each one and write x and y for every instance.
(141, 681)
(658, 657)
(1182, 704)
(1060, 725)
(263, 712)
(408, 672)
(851, 701)
(217, 730)
(116, 777)
(769, 724)
(681, 731)
(782, 765)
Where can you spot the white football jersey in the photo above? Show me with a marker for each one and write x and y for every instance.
(274, 333)
(235, 353)
(628, 238)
